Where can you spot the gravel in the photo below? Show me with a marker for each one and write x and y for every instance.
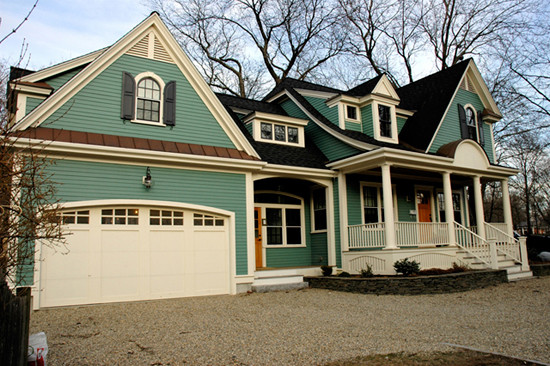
(306, 327)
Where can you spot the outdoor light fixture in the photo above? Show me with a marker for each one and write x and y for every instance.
(147, 180)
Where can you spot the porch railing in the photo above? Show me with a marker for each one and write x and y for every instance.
(366, 236)
(420, 234)
(505, 243)
(473, 244)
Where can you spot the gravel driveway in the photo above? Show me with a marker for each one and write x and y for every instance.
(299, 327)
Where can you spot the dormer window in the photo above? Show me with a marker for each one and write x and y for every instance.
(384, 116)
(471, 124)
(276, 129)
(351, 112)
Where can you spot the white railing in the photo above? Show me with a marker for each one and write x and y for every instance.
(473, 244)
(505, 243)
(366, 236)
(502, 226)
(421, 233)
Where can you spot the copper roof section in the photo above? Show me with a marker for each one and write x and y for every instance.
(51, 134)
(449, 150)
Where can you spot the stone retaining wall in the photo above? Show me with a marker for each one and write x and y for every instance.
(540, 269)
(454, 282)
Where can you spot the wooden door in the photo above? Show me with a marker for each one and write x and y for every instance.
(423, 199)
(258, 236)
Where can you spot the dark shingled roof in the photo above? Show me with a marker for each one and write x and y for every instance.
(250, 104)
(300, 84)
(308, 157)
(429, 97)
(51, 134)
(364, 89)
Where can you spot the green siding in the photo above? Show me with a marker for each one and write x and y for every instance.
(354, 199)
(450, 128)
(332, 147)
(366, 120)
(330, 113)
(400, 123)
(319, 249)
(405, 200)
(353, 126)
(32, 103)
(81, 181)
(59, 80)
(96, 108)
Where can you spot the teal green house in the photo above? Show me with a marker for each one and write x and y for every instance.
(170, 190)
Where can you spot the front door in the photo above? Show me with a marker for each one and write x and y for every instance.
(258, 236)
(423, 199)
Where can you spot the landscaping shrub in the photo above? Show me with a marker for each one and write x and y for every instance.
(406, 267)
(327, 270)
(344, 274)
(367, 272)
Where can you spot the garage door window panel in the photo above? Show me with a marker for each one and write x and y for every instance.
(75, 217)
(166, 217)
(207, 220)
(120, 216)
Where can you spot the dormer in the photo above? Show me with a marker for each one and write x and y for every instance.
(28, 96)
(276, 129)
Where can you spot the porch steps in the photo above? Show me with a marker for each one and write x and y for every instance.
(278, 280)
(513, 269)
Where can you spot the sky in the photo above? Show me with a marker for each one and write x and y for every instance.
(59, 30)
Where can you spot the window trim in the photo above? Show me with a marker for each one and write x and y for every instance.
(476, 127)
(301, 207)
(162, 84)
(379, 195)
(273, 140)
(357, 118)
(312, 210)
(439, 209)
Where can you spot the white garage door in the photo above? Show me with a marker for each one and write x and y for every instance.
(136, 253)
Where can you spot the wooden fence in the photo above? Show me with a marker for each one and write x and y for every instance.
(14, 325)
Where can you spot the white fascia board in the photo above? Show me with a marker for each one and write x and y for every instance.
(69, 89)
(121, 155)
(342, 98)
(36, 90)
(298, 171)
(316, 93)
(352, 142)
(270, 117)
(404, 112)
(384, 99)
(413, 160)
(62, 67)
(384, 84)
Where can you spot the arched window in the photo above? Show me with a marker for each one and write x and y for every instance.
(471, 123)
(148, 100)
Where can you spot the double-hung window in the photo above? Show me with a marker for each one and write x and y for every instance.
(148, 100)
(319, 207)
(283, 226)
(372, 200)
(384, 117)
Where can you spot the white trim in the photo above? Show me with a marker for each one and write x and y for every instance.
(439, 209)
(62, 67)
(343, 208)
(270, 117)
(312, 93)
(312, 210)
(295, 171)
(471, 107)
(29, 89)
(493, 141)
(331, 231)
(376, 121)
(153, 22)
(257, 133)
(250, 239)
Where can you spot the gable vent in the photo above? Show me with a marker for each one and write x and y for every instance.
(160, 53)
(141, 48)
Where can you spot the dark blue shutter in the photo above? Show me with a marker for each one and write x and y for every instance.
(462, 119)
(128, 107)
(170, 104)
(480, 129)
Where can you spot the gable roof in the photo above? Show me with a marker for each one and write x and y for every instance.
(429, 97)
(299, 84)
(171, 49)
(365, 88)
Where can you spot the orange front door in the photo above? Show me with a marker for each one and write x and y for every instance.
(423, 199)
(258, 236)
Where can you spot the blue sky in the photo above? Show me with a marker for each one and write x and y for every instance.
(59, 30)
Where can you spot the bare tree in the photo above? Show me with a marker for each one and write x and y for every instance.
(242, 45)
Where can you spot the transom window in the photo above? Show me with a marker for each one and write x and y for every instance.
(384, 116)
(120, 216)
(148, 100)
(166, 217)
(75, 217)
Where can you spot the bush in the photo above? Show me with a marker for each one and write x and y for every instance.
(406, 267)
(327, 270)
(344, 274)
(367, 272)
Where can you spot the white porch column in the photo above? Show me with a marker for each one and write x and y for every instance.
(507, 207)
(343, 211)
(389, 218)
(478, 198)
(449, 210)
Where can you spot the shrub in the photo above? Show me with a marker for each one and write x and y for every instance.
(367, 272)
(406, 267)
(344, 274)
(327, 270)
